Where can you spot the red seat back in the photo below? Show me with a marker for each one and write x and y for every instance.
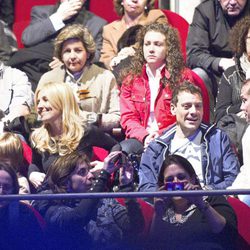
(181, 25)
(243, 217)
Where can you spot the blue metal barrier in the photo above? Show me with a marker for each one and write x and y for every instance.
(124, 195)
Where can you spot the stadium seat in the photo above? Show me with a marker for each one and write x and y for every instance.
(181, 25)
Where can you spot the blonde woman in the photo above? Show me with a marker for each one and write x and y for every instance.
(63, 130)
(11, 152)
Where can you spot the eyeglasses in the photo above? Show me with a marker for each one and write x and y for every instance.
(7, 188)
(179, 176)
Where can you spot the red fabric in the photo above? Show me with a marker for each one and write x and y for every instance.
(181, 25)
(27, 152)
(22, 16)
(243, 216)
(147, 211)
(135, 105)
(99, 154)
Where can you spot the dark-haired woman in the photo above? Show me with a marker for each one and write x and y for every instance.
(190, 222)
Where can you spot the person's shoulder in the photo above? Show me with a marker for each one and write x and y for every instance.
(96, 18)
(42, 9)
(113, 25)
(206, 3)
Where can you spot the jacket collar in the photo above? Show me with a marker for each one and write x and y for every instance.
(164, 73)
(168, 135)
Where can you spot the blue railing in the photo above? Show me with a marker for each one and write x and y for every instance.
(124, 195)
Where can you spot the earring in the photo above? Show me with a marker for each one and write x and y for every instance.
(146, 7)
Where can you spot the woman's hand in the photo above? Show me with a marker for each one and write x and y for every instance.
(55, 63)
(196, 200)
(161, 203)
(150, 137)
(111, 162)
(36, 178)
(96, 166)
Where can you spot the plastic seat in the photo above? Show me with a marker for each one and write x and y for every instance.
(181, 25)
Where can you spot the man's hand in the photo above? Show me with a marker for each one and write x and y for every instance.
(69, 8)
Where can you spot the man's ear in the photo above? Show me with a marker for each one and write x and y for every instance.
(172, 109)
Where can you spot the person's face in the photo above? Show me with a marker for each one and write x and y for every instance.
(74, 55)
(81, 179)
(233, 7)
(188, 112)
(245, 97)
(6, 186)
(46, 112)
(154, 49)
(134, 7)
(248, 45)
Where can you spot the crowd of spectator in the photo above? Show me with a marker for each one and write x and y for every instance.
(124, 87)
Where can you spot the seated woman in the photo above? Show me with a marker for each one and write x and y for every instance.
(146, 91)
(19, 226)
(15, 94)
(132, 13)
(63, 130)
(11, 152)
(92, 223)
(190, 222)
(94, 87)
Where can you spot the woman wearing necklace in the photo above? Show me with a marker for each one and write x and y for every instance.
(94, 87)
(190, 222)
(63, 130)
(132, 12)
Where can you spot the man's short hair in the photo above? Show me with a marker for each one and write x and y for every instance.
(186, 86)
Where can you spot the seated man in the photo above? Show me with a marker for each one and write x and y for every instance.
(46, 22)
(208, 50)
(243, 178)
(15, 94)
(207, 148)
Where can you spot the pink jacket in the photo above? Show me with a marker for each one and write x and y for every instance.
(135, 105)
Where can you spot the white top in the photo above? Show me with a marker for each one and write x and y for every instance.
(154, 84)
(242, 180)
(189, 148)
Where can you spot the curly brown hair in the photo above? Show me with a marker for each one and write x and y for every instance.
(174, 58)
(120, 10)
(238, 36)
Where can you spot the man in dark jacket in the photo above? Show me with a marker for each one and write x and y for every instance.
(208, 50)
(38, 37)
(207, 148)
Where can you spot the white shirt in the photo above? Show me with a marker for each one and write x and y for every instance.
(189, 148)
(154, 84)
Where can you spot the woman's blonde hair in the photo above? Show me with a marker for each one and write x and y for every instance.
(78, 32)
(11, 149)
(61, 97)
(120, 9)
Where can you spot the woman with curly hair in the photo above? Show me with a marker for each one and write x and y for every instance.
(131, 13)
(228, 98)
(146, 91)
(63, 130)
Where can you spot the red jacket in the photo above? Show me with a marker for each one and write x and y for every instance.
(135, 105)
